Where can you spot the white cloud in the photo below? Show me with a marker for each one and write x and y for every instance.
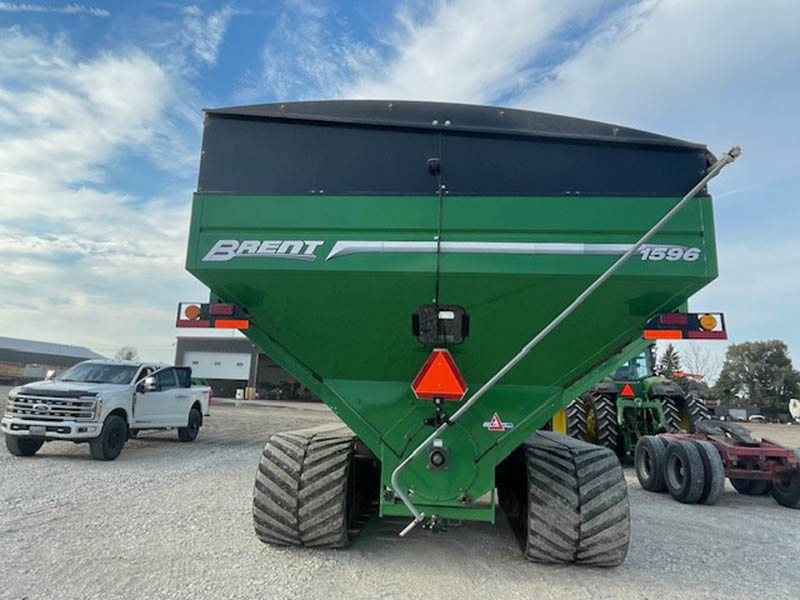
(468, 51)
(308, 54)
(81, 265)
(203, 34)
(69, 9)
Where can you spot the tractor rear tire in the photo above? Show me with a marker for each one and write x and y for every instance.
(577, 503)
(602, 409)
(750, 487)
(696, 409)
(683, 472)
(714, 470)
(683, 413)
(303, 493)
(787, 493)
(649, 459)
(672, 414)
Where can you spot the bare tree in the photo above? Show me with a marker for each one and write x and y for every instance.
(127, 353)
(699, 360)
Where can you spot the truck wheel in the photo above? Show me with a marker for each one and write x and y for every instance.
(787, 492)
(649, 458)
(22, 446)
(750, 487)
(592, 418)
(189, 433)
(301, 494)
(576, 505)
(111, 440)
(683, 472)
(714, 470)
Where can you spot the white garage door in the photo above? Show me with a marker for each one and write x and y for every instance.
(218, 365)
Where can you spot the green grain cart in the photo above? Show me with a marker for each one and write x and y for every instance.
(516, 254)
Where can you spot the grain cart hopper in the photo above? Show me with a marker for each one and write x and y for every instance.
(356, 241)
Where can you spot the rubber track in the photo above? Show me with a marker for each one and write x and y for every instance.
(300, 490)
(578, 502)
(605, 410)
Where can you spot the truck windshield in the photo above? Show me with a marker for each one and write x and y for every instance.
(635, 369)
(99, 373)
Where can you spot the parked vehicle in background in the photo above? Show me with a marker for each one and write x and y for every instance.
(756, 418)
(103, 403)
(794, 409)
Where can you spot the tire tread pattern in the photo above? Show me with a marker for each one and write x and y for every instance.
(299, 497)
(578, 503)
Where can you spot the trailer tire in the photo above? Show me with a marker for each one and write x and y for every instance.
(683, 472)
(108, 445)
(592, 418)
(750, 487)
(301, 495)
(787, 493)
(22, 446)
(714, 470)
(649, 458)
(577, 503)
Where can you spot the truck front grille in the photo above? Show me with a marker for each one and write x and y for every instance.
(47, 408)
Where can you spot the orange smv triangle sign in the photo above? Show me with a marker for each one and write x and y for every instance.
(627, 391)
(439, 377)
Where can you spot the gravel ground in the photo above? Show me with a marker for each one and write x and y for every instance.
(172, 520)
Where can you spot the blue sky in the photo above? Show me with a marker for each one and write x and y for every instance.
(100, 125)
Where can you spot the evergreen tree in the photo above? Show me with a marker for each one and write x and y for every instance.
(669, 362)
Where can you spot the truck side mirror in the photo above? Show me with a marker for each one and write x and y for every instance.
(148, 384)
(50, 375)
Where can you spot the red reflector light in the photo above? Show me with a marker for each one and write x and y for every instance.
(192, 323)
(674, 319)
(708, 335)
(627, 391)
(231, 323)
(663, 334)
(220, 310)
(439, 377)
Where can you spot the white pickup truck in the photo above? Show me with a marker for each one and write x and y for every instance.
(104, 402)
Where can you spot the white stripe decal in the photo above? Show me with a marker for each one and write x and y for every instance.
(346, 247)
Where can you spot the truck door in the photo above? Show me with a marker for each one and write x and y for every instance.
(159, 408)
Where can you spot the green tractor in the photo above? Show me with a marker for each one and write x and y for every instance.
(632, 402)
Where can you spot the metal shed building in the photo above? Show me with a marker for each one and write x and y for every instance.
(231, 363)
(28, 360)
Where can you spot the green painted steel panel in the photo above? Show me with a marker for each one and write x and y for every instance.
(341, 323)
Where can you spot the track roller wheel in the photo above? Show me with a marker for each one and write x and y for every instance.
(649, 459)
(683, 472)
(305, 490)
(574, 506)
(714, 473)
